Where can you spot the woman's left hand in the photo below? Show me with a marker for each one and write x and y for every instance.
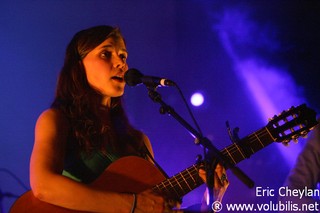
(221, 182)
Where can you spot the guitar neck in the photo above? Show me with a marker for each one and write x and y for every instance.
(187, 180)
(247, 146)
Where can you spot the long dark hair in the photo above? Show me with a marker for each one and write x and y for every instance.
(82, 104)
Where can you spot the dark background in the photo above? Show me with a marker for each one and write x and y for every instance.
(251, 59)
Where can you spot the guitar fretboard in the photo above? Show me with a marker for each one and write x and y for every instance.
(187, 180)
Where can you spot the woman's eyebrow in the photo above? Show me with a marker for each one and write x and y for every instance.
(107, 46)
(112, 46)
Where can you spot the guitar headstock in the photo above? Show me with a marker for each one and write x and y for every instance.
(292, 124)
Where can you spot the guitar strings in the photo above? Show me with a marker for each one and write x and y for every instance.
(253, 139)
(188, 176)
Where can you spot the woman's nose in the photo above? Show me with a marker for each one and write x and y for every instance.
(120, 63)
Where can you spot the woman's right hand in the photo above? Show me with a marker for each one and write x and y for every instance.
(149, 201)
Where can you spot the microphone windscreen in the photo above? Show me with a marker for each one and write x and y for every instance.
(133, 77)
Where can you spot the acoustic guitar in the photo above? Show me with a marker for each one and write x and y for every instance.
(134, 175)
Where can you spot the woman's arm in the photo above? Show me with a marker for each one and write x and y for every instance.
(50, 186)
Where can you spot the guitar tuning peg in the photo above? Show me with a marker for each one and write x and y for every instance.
(305, 136)
(273, 118)
(197, 141)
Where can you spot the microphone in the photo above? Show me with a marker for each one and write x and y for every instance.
(134, 77)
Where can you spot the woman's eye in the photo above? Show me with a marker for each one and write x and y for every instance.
(123, 57)
(106, 54)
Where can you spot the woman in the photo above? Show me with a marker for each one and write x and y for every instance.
(86, 129)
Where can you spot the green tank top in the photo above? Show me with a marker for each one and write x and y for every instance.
(85, 168)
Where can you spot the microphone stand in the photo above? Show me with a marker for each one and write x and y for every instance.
(212, 154)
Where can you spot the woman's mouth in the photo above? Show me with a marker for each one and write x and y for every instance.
(118, 78)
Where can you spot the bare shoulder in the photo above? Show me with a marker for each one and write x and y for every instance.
(52, 114)
(148, 144)
(52, 119)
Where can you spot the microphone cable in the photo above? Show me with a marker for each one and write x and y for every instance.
(189, 109)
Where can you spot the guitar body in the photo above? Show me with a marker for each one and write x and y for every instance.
(129, 174)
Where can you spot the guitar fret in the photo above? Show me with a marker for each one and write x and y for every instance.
(190, 176)
(258, 139)
(198, 181)
(177, 191)
(185, 181)
(273, 139)
(173, 186)
(170, 188)
(157, 188)
(251, 144)
(162, 186)
(194, 176)
(175, 178)
(230, 156)
(256, 143)
(181, 183)
(240, 151)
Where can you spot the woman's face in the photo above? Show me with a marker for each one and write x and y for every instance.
(105, 66)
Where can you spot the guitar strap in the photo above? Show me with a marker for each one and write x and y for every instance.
(146, 154)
